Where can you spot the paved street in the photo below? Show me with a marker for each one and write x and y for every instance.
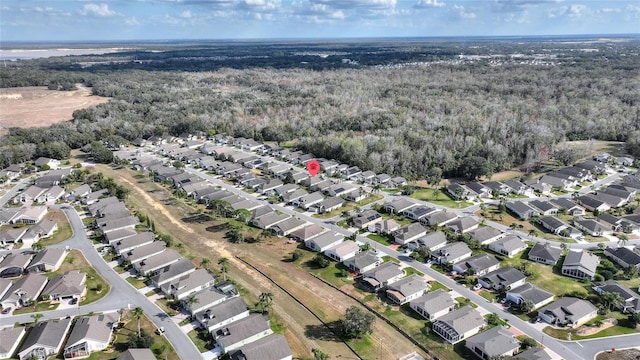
(122, 294)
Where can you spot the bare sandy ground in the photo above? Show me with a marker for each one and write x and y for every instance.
(36, 106)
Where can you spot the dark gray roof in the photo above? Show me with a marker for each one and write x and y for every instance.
(552, 222)
(494, 342)
(410, 230)
(47, 333)
(591, 225)
(569, 308)
(531, 292)
(137, 354)
(564, 203)
(224, 311)
(364, 259)
(484, 233)
(545, 251)
(172, 270)
(272, 347)
(624, 254)
(478, 262)
(590, 201)
(432, 239)
(504, 276)
(535, 353)
(542, 205)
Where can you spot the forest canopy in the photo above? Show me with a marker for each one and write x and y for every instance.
(417, 111)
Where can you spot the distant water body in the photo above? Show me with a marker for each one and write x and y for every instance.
(23, 54)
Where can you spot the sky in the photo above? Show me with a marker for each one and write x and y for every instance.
(83, 20)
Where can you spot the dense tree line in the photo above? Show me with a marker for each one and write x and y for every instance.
(421, 121)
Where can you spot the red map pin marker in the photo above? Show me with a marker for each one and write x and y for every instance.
(313, 167)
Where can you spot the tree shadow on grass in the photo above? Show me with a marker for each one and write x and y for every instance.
(197, 218)
(219, 227)
(321, 332)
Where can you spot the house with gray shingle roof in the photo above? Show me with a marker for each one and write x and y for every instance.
(504, 278)
(486, 234)
(366, 218)
(545, 208)
(363, 262)
(222, 314)
(288, 226)
(242, 332)
(479, 264)
(459, 324)
(272, 347)
(418, 212)
(545, 254)
(408, 233)
(204, 299)
(434, 304)
(269, 220)
(592, 227)
(70, 285)
(623, 256)
(535, 353)
(45, 339)
(451, 253)
(172, 271)
(571, 207)
(91, 333)
(522, 210)
(143, 252)
(188, 284)
(580, 265)
(529, 292)
(568, 311)
(381, 276)
(407, 289)
(136, 241)
(11, 338)
(324, 241)
(463, 225)
(24, 291)
(508, 246)
(399, 205)
(307, 232)
(630, 299)
(438, 218)
(433, 240)
(156, 262)
(495, 342)
(13, 265)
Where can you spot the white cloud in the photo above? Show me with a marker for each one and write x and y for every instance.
(100, 10)
(186, 14)
(429, 3)
(609, 10)
(464, 13)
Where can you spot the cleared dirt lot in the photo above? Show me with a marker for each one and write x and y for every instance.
(27, 107)
(205, 239)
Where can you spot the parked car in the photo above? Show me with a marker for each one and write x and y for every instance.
(6, 311)
(476, 287)
(503, 301)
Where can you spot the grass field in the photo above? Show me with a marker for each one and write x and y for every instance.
(64, 228)
(436, 196)
(40, 306)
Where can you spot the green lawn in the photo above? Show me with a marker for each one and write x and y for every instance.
(333, 274)
(621, 329)
(389, 258)
(436, 196)
(346, 207)
(39, 307)
(436, 285)
(63, 233)
(464, 301)
(164, 305)
(384, 240)
(492, 297)
(410, 271)
(201, 338)
(370, 199)
(138, 284)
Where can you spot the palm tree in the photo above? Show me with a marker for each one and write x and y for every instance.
(533, 233)
(264, 301)
(205, 263)
(224, 267)
(138, 312)
(36, 317)
(191, 300)
(622, 240)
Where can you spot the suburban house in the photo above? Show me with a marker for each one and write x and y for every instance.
(51, 163)
(540, 187)
(434, 304)
(545, 208)
(571, 207)
(463, 225)
(12, 235)
(630, 300)
(545, 254)
(128, 222)
(409, 233)
(580, 265)
(479, 190)
(222, 314)
(381, 276)
(133, 242)
(386, 226)
(343, 251)
(24, 291)
(459, 324)
(451, 253)
(118, 235)
(288, 226)
(244, 331)
(623, 256)
(486, 234)
(172, 271)
(366, 219)
(399, 206)
(307, 232)
(508, 246)
(522, 210)
(11, 338)
(5, 285)
(479, 264)
(438, 218)
(140, 253)
(45, 339)
(554, 225)
(518, 188)
(14, 264)
(156, 262)
(324, 241)
(187, 284)
(590, 203)
(407, 289)
(535, 353)
(309, 200)
(529, 292)
(493, 343)
(269, 220)
(31, 215)
(505, 278)
(329, 204)
(459, 191)
(568, 311)
(363, 262)
(272, 347)
(91, 333)
(418, 212)
(433, 241)
(70, 285)
(592, 227)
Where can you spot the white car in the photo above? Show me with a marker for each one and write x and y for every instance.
(476, 287)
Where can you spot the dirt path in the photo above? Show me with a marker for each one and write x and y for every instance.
(303, 330)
